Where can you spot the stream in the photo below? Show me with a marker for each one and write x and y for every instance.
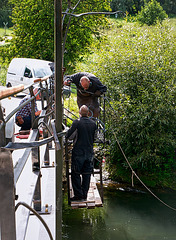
(127, 214)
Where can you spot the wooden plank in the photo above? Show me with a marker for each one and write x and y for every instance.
(98, 201)
(93, 198)
(41, 79)
(91, 205)
(82, 204)
(74, 206)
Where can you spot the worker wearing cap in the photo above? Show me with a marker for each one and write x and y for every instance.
(89, 88)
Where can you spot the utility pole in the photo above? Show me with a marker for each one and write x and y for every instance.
(58, 112)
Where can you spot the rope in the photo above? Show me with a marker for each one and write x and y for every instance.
(133, 172)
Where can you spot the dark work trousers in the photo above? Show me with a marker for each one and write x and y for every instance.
(91, 103)
(82, 164)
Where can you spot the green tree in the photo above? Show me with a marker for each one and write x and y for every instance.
(130, 6)
(5, 13)
(34, 29)
(169, 6)
(151, 13)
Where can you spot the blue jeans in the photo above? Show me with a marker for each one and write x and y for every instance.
(82, 164)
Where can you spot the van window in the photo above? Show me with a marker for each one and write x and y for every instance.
(27, 73)
(42, 72)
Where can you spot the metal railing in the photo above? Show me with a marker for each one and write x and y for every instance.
(10, 228)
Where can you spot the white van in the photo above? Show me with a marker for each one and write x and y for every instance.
(26, 70)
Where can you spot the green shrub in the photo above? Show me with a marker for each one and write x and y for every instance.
(138, 65)
(151, 13)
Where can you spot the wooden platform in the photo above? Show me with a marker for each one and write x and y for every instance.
(93, 199)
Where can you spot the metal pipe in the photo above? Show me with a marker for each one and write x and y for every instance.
(36, 213)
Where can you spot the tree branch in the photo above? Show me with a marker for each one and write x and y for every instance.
(92, 13)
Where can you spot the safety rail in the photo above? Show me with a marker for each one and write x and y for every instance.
(14, 226)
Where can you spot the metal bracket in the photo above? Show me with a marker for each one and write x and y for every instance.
(44, 210)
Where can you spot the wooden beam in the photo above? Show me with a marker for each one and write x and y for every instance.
(7, 92)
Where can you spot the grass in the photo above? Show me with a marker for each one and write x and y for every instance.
(71, 105)
(4, 32)
(173, 23)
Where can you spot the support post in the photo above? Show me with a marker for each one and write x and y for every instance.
(42, 95)
(46, 156)
(58, 113)
(32, 106)
(36, 167)
(7, 196)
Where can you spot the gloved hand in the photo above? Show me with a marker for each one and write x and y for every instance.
(97, 93)
(67, 81)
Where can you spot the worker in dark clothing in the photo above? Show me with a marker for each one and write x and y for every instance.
(82, 153)
(89, 88)
(23, 116)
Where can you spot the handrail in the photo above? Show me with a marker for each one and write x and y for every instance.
(35, 212)
(7, 92)
(32, 146)
(23, 145)
(37, 81)
(19, 107)
(42, 79)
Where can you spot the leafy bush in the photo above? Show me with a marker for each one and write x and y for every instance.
(151, 13)
(138, 65)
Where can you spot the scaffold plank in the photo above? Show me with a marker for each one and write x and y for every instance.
(93, 199)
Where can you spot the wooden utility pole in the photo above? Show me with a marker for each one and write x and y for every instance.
(58, 112)
(7, 197)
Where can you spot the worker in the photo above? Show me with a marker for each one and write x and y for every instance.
(89, 88)
(84, 130)
(23, 116)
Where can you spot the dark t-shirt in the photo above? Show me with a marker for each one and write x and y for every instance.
(84, 131)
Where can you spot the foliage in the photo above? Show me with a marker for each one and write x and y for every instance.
(71, 104)
(129, 6)
(34, 29)
(151, 13)
(138, 65)
(5, 12)
(133, 6)
(3, 73)
(169, 6)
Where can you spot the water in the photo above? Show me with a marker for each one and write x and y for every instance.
(126, 215)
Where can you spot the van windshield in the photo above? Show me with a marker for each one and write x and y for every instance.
(42, 72)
